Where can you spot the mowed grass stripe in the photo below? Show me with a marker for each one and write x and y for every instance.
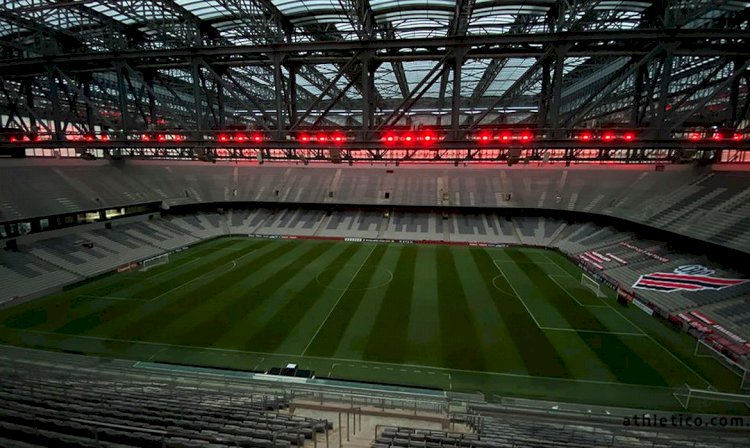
(327, 339)
(273, 333)
(70, 313)
(538, 354)
(459, 340)
(151, 317)
(626, 365)
(388, 340)
(208, 323)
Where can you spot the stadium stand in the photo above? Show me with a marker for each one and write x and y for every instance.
(681, 199)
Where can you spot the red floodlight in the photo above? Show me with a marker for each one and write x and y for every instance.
(338, 138)
(408, 138)
(429, 137)
(88, 137)
(240, 138)
(584, 136)
(223, 138)
(526, 136)
(321, 137)
(257, 137)
(694, 136)
(12, 139)
(390, 138)
(608, 136)
(145, 138)
(506, 136)
(717, 136)
(104, 138)
(484, 137)
(161, 138)
(737, 137)
(303, 138)
(628, 136)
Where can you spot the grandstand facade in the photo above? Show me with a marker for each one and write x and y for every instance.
(468, 223)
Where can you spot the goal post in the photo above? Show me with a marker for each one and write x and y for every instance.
(703, 350)
(154, 261)
(686, 395)
(592, 284)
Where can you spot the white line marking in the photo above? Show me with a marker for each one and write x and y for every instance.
(338, 300)
(654, 340)
(385, 364)
(132, 299)
(619, 333)
(572, 296)
(517, 295)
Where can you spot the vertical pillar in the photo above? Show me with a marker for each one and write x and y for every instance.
(660, 118)
(734, 97)
(87, 94)
(55, 100)
(292, 93)
(29, 94)
(543, 106)
(279, 87)
(635, 112)
(458, 63)
(123, 98)
(554, 106)
(148, 77)
(197, 102)
(367, 93)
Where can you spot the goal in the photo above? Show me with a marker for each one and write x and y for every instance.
(154, 261)
(686, 396)
(703, 350)
(592, 284)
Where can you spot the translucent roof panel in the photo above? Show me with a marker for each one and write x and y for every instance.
(208, 9)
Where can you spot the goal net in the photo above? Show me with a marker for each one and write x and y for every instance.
(591, 284)
(706, 400)
(154, 261)
(703, 350)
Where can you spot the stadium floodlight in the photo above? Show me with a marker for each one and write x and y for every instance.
(303, 138)
(608, 136)
(321, 137)
(223, 138)
(506, 136)
(526, 136)
(484, 137)
(738, 137)
(257, 137)
(628, 136)
(161, 138)
(145, 138)
(428, 137)
(694, 136)
(717, 136)
(89, 137)
(338, 138)
(584, 136)
(390, 138)
(240, 138)
(408, 138)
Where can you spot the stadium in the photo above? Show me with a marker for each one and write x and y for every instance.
(374, 223)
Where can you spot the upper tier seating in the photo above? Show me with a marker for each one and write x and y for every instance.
(708, 205)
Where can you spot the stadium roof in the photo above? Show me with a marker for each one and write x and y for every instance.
(36, 28)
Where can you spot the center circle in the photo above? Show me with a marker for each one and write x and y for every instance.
(341, 277)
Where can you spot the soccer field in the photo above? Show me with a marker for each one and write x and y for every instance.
(503, 322)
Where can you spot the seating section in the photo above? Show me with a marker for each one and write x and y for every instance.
(48, 407)
(514, 431)
(704, 203)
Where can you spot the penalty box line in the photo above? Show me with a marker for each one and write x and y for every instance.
(166, 346)
(233, 264)
(552, 277)
(690, 369)
(541, 327)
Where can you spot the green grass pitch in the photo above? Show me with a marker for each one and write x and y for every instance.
(502, 322)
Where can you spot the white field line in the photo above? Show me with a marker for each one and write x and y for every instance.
(572, 296)
(338, 300)
(517, 295)
(135, 299)
(377, 363)
(690, 369)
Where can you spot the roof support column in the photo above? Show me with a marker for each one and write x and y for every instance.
(86, 80)
(543, 106)
(122, 93)
(292, 93)
(278, 82)
(554, 105)
(55, 100)
(367, 88)
(458, 63)
(197, 103)
(660, 116)
(29, 94)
